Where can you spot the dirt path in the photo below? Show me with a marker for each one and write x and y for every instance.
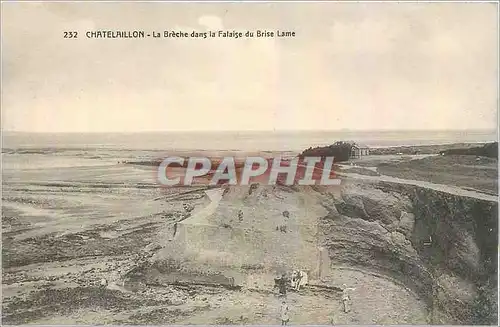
(455, 190)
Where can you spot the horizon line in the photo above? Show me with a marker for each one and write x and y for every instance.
(255, 131)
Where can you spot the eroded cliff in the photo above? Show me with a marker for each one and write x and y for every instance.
(442, 246)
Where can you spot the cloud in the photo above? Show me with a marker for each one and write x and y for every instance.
(350, 66)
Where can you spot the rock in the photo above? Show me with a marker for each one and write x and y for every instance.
(176, 301)
(352, 206)
(406, 223)
(371, 204)
(152, 247)
(392, 227)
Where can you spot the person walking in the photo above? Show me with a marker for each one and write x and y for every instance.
(284, 313)
(346, 298)
(282, 285)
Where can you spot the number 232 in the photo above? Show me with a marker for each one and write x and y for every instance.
(70, 35)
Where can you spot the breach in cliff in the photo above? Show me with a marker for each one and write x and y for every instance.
(404, 248)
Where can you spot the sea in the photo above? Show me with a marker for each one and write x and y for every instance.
(40, 151)
(238, 141)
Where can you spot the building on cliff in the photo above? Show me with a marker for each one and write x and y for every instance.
(358, 150)
(341, 150)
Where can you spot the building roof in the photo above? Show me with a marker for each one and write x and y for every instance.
(360, 146)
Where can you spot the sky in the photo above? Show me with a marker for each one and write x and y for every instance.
(350, 66)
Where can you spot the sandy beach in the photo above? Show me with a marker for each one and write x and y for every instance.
(65, 228)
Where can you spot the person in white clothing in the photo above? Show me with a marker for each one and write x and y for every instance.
(346, 298)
